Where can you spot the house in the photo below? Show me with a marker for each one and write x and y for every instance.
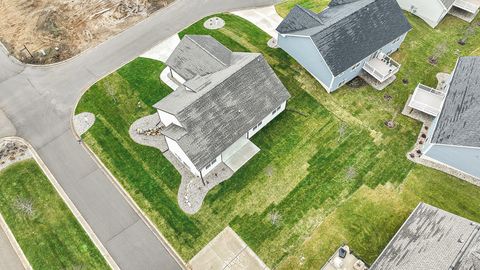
(433, 11)
(222, 100)
(349, 38)
(432, 239)
(454, 136)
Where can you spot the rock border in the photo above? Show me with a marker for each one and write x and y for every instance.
(193, 189)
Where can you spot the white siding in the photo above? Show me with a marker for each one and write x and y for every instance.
(218, 160)
(178, 152)
(177, 76)
(168, 118)
(431, 11)
(266, 120)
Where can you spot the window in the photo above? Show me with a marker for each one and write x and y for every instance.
(276, 110)
(356, 66)
(256, 126)
(210, 164)
(342, 83)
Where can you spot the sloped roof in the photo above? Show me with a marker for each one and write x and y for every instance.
(432, 239)
(459, 120)
(348, 30)
(233, 101)
(198, 55)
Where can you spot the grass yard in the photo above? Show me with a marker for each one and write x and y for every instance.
(46, 230)
(329, 175)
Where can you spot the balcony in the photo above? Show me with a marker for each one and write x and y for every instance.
(467, 5)
(381, 67)
(427, 100)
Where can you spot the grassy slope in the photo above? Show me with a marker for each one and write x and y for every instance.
(304, 172)
(51, 238)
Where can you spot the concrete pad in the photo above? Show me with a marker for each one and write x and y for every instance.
(226, 251)
(163, 50)
(266, 18)
(6, 127)
(242, 156)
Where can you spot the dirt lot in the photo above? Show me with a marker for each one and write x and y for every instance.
(48, 31)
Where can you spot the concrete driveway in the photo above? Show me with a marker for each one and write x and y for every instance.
(39, 102)
(266, 18)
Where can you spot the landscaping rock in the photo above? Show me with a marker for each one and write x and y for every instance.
(12, 151)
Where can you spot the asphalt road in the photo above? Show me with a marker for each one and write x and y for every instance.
(37, 105)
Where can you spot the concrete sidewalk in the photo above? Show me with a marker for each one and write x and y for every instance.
(9, 259)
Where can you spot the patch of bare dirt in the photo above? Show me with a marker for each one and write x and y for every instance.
(49, 31)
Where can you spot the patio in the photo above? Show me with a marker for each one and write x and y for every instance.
(344, 259)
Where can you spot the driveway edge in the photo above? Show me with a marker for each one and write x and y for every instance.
(91, 234)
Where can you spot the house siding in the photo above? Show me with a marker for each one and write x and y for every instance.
(206, 170)
(306, 53)
(168, 118)
(178, 152)
(431, 11)
(351, 73)
(267, 120)
(462, 158)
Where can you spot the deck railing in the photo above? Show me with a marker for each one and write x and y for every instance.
(381, 76)
(466, 5)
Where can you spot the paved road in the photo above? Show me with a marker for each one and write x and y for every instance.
(39, 101)
(8, 258)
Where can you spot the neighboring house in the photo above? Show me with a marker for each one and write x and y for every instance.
(432, 239)
(349, 38)
(433, 11)
(223, 99)
(454, 137)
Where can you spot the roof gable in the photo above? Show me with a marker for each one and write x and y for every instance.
(198, 55)
(350, 30)
(459, 121)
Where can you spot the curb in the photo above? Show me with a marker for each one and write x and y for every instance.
(103, 251)
(142, 215)
(16, 247)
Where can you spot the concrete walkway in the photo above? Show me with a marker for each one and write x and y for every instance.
(40, 101)
(266, 18)
(162, 50)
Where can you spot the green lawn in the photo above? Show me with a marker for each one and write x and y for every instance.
(329, 171)
(46, 230)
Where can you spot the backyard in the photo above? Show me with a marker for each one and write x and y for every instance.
(46, 230)
(329, 170)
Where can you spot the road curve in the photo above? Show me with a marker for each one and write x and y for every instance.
(39, 101)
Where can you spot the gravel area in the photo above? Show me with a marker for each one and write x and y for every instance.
(214, 23)
(12, 151)
(192, 190)
(82, 122)
(427, 122)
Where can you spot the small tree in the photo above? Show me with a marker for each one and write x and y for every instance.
(24, 206)
(438, 52)
(275, 218)
(469, 31)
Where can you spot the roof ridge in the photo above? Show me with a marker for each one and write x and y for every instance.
(309, 13)
(221, 81)
(205, 50)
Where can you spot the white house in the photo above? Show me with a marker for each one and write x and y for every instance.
(433, 11)
(454, 137)
(223, 99)
(349, 38)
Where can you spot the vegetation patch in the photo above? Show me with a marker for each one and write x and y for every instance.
(329, 171)
(46, 230)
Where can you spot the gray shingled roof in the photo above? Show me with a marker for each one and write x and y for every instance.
(432, 239)
(348, 30)
(199, 55)
(233, 101)
(459, 120)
